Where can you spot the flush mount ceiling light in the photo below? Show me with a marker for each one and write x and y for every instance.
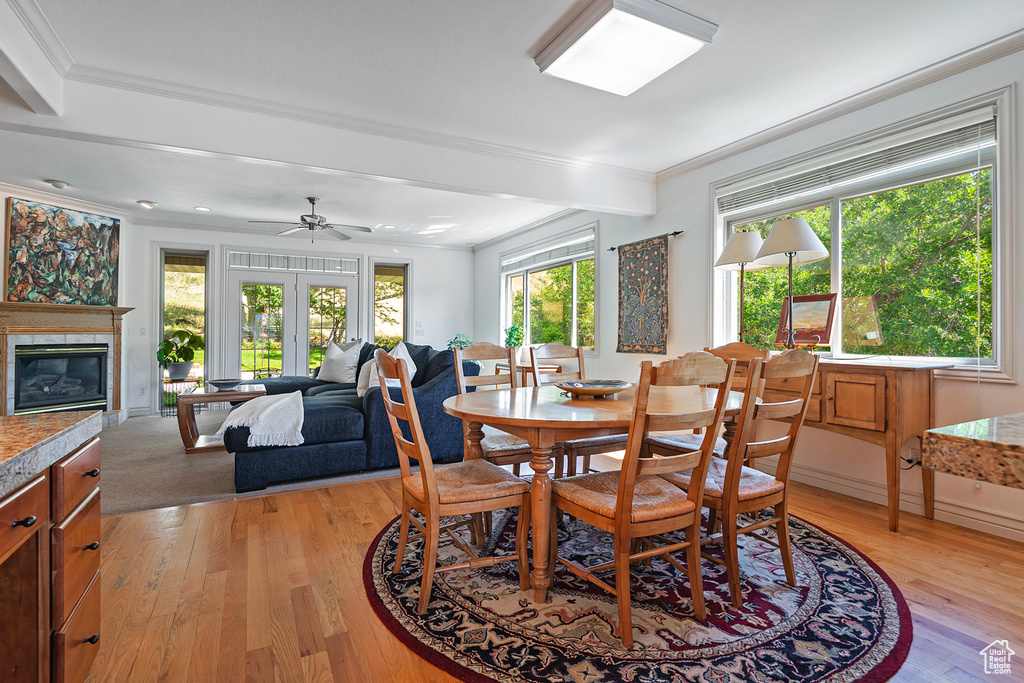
(146, 203)
(620, 45)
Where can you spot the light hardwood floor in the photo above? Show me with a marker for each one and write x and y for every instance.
(270, 588)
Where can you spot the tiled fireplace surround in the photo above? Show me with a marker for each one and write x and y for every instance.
(24, 324)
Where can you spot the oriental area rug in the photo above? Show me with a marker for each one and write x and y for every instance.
(844, 621)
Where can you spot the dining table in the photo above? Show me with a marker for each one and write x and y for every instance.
(547, 415)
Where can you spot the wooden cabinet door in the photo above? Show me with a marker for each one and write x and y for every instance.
(853, 400)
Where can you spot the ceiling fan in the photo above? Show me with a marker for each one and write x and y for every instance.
(314, 223)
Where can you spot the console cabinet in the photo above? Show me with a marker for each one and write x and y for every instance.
(884, 403)
(49, 571)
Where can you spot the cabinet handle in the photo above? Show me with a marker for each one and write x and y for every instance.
(27, 522)
(92, 546)
(93, 640)
(92, 473)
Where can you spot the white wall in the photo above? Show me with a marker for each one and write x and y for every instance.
(440, 287)
(684, 202)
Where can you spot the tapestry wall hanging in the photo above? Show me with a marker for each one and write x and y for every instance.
(643, 296)
(59, 256)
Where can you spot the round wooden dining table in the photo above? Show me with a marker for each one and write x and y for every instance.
(545, 416)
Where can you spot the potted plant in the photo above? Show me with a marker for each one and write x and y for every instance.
(176, 353)
(514, 336)
(459, 341)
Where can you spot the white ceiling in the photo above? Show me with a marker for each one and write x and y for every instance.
(451, 75)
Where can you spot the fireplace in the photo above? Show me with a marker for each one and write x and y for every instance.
(51, 378)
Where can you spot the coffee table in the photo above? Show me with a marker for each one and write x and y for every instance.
(190, 436)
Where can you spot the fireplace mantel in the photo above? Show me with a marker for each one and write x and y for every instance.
(19, 318)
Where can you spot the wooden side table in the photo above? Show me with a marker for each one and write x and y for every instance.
(190, 436)
(527, 370)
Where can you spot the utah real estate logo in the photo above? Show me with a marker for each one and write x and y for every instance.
(997, 657)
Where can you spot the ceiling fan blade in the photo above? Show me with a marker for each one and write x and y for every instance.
(288, 232)
(337, 235)
(277, 222)
(357, 228)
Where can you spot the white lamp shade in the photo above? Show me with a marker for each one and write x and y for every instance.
(740, 250)
(791, 236)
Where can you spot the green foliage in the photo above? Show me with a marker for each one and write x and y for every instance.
(179, 347)
(914, 260)
(459, 341)
(551, 294)
(514, 335)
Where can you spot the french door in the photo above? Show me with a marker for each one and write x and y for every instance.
(281, 323)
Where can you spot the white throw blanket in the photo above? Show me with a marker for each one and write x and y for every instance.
(272, 420)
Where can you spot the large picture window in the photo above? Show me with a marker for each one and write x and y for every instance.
(549, 292)
(911, 249)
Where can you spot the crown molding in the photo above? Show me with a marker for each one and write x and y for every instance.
(566, 213)
(177, 225)
(64, 201)
(42, 31)
(149, 86)
(983, 54)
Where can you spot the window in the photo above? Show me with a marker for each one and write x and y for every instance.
(327, 322)
(910, 231)
(389, 304)
(549, 291)
(185, 300)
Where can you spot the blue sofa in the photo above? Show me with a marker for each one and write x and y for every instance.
(346, 433)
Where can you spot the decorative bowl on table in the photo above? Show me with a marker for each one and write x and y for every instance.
(224, 384)
(593, 387)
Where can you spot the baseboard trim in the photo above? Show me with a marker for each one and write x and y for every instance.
(993, 522)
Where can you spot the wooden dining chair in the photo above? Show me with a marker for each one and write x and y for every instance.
(740, 352)
(557, 355)
(731, 488)
(463, 488)
(634, 502)
(498, 447)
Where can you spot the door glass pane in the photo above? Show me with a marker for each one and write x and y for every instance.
(917, 271)
(551, 305)
(766, 290)
(327, 314)
(585, 304)
(262, 334)
(388, 305)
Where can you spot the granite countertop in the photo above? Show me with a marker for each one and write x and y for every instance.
(990, 449)
(29, 444)
(1005, 432)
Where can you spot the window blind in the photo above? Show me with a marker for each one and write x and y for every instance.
(301, 264)
(566, 248)
(787, 185)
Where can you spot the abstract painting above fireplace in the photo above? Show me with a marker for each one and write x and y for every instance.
(60, 256)
(60, 377)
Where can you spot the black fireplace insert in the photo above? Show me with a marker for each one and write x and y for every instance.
(51, 378)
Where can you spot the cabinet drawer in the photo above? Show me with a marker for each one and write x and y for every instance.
(73, 478)
(75, 559)
(22, 513)
(854, 400)
(813, 403)
(793, 384)
(74, 647)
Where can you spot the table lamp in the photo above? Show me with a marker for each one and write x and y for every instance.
(791, 240)
(740, 250)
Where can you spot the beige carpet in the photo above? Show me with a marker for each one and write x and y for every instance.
(145, 467)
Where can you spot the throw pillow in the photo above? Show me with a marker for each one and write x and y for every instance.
(340, 363)
(368, 373)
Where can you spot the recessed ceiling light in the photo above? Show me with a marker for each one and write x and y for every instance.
(57, 184)
(620, 45)
(202, 208)
(146, 203)
(388, 227)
